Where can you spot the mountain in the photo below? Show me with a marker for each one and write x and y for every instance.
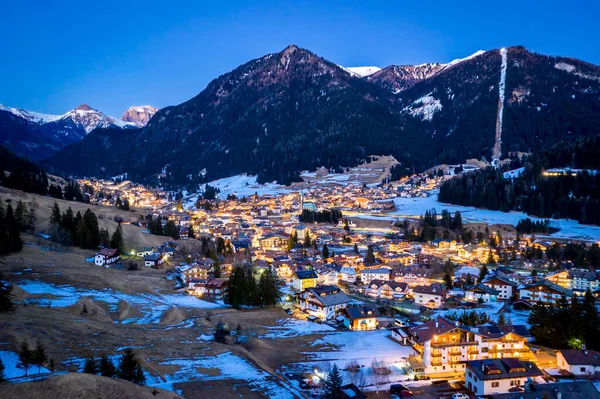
(293, 110)
(139, 114)
(38, 135)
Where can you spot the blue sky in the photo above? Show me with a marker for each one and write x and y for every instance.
(113, 54)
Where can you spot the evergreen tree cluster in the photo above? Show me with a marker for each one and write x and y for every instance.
(29, 357)
(243, 290)
(129, 367)
(6, 295)
(567, 325)
(76, 229)
(24, 175)
(122, 204)
(325, 216)
(571, 195)
(528, 226)
(432, 227)
(155, 227)
(10, 228)
(471, 318)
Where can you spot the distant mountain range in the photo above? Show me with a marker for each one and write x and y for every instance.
(38, 135)
(293, 110)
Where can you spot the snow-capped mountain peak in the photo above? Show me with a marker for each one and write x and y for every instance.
(83, 116)
(459, 60)
(361, 71)
(139, 114)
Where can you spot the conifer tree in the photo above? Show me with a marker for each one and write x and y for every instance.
(325, 251)
(25, 357)
(116, 241)
(370, 256)
(55, 216)
(6, 296)
(482, 273)
(333, 384)
(130, 369)
(448, 281)
(90, 366)
(39, 356)
(106, 366)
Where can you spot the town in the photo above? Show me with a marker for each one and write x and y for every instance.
(456, 301)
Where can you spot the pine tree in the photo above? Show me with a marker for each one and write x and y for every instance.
(90, 366)
(482, 273)
(370, 257)
(268, 289)
(333, 384)
(39, 356)
(172, 230)
(106, 367)
(6, 296)
(469, 279)
(502, 319)
(216, 270)
(130, 369)
(25, 357)
(191, 232)
(307, 239)
(116, 241)
(325, 251)
(448, 281)
(55, 216)
(15, 244)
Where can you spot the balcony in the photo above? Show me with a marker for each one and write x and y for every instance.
(450, 344)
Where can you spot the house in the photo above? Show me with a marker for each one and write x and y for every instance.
(144, 251)
(576, 279)
(283, 270)
(368, 275)
(347, 274)
(154, 260)
(197, 272)
(360, 318)
(490, 376)
(446, 345)
(106, 257)
(386, 289)
(273, 241)
(504, 286)
(325, 301)
(212, 288)
(544, 291)
(304, 279)
(481, 292)
(431, 296)
(562, 390)
(579, 362)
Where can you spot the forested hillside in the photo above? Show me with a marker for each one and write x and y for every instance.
(571, 195)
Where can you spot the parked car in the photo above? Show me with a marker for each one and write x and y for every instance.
(399, 389)
(460, 396)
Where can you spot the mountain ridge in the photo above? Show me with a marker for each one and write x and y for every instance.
(294, 110)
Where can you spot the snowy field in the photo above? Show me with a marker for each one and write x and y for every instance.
(287, 328)
(415, 207)
(225, 366)
(151, 306)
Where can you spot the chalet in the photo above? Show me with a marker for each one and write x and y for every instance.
(368, 275)
(275, 241)
(481, 292)
(106, 257)
(154, 260)
(386, 289)
(579, 362)
(490, 376)
(347, 274)
(578, 280)
(282, 269)
(360, 318)
(197, 272)
(543, 291)
(446, 345)
(431, 296)
(304, 279)
(213, 288)
(325, 302)
(503, 285)
(411, 275)
(144, 251)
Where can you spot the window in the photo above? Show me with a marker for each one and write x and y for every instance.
(496, 384)
(582, 369)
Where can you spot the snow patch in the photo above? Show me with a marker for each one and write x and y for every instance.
(425, 106)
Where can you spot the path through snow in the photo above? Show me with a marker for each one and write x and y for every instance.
(497, 151)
